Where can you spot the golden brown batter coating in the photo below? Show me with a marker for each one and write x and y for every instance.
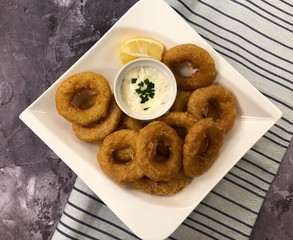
(74, 85)
(215, 102)
(146, 151)
(118, 169)
(180, 103)
(202, 146)
(162, 188)
(180, 121)
(98, 131)
(199, 59)
(127, 122)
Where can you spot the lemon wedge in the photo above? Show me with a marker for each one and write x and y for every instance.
(139, 47)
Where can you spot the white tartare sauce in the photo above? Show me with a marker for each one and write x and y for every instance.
(132, 81)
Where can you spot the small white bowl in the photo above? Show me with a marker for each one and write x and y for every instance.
(145, 63)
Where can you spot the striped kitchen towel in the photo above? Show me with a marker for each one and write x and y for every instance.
(256, 38)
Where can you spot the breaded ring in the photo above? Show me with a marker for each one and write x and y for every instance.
(98, 131)
(118, 170)
(75, 84)
(180, 103)
(216, 102)
(199, 59)
(202, 146)
(180, 121)
(146, 151)
(162, 188)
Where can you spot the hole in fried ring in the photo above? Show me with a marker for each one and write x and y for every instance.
(84, 99)
(123, 155)
(162, 151)
(184, 69)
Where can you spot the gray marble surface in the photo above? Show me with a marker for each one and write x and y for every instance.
(39, 41)
(275, 220)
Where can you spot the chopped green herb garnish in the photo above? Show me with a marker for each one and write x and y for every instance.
(151, 85)
(151, 94)
(140, 84)
(133, 80)
(146, 81)
(138, 90)
(146, 90)
(146, 108)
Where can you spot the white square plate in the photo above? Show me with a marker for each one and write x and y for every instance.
(150, 217)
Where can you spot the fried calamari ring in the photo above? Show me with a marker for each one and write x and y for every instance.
(77, 83)
(216, 102)
(202, 146)
(146, 151)
(120, 171)
(199, 59)
(180, 103)
(162, 188)
(98, 131)
(180, 121)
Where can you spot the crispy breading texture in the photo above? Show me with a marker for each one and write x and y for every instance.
(202, 146)
(98, 131)
(200, 60)
(146, 151)
(215, 102)
(162, 188)
(180, 103)
(117, 169)
(180, 121)
(74, 85)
